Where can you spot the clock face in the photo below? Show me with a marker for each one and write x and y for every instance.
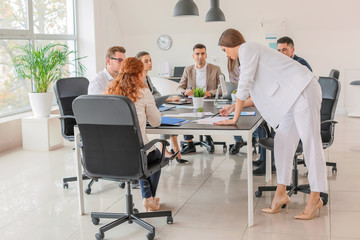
(164, 42)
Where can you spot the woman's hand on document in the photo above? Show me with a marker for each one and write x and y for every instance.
(226, 122)
(225, 111)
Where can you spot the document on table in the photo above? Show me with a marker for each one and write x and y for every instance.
(195, 114)
(210, 120)
(185, 107)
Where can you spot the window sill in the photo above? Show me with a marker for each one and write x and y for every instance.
(22, 115)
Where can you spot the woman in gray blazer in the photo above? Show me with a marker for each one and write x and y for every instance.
(147, 61)
(288, 97)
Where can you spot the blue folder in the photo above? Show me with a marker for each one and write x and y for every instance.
(169, 121)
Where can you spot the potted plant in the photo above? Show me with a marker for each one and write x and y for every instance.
(198, 98)
(43, 66)
(233, 95)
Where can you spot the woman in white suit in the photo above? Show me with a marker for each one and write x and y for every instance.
(288, 97)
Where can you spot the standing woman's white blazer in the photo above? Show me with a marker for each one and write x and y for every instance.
(273, 80)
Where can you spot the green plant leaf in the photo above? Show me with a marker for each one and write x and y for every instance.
(199, 92)
(44, 65)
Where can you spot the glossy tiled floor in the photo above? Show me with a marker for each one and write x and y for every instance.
(208, 198)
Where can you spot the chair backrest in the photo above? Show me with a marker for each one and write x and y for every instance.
(111, 137)
(66, 90)
(330, 94)
(334, 73)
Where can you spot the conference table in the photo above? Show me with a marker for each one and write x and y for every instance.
(245, 127)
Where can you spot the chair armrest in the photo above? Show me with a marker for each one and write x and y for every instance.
(67, 117)
(329, 121)
(152, 142)
(163, 160)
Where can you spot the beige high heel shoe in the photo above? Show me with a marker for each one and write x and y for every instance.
(303, 216)
(284, 200)
(150, 204)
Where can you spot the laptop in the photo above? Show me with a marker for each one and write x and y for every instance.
(178, 71)
(230, 87)
(160, 100)
(226, 90)
(159, 103)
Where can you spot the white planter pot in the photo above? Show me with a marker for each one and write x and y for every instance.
(198, 102)
(41, 104)
(233, 97)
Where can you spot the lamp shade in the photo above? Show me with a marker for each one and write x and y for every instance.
(186, 8)
(214, 14)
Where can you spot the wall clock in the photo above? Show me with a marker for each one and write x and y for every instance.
(164, 42)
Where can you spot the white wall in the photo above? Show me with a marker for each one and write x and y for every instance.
(326, 33)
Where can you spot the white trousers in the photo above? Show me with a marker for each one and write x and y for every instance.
(302, 122)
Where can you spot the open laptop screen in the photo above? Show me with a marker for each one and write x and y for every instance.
(178, 71)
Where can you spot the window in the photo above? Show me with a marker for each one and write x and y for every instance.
(38, 22)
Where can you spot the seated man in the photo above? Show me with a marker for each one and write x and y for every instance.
(200, 75)
(114, 56)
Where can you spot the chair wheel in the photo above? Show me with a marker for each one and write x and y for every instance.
(95, 221)
(65, 185)
(210, 150)
(122, 185)
(224, 148)
(135, 210)
(150, 236)
(88, 191)
(258, 194)
(99, 236)
(169, 220)
(334, 169)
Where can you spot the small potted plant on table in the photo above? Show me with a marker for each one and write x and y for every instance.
(198, 98)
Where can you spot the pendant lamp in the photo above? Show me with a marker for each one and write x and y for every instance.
(215, 14)
(186, 8)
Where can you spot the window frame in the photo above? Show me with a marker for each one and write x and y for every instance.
(28, 34)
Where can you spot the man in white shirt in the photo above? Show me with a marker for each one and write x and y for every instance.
(114, 56)
(200, 75)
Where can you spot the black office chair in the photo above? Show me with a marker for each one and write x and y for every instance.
(329, 129)
(330, 94)
(334, 73)
(112, 148)
(66, 90)
(203, 143)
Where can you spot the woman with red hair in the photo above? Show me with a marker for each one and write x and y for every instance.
(130, 83)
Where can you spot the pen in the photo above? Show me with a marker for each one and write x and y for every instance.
(215, 115)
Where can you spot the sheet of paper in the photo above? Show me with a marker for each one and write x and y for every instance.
(210, 120)
(195, 114)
